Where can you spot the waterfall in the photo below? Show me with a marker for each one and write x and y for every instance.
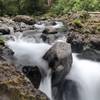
(30, 54)
(86, 74)
(45, 85)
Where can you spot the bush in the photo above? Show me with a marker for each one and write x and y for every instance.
(64, 6)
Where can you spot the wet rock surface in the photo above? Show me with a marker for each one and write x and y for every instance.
(34, 75)
(24, 18)
(4, 30)
(49, 31)
(59, 58)
(91, 54)
(67, 90)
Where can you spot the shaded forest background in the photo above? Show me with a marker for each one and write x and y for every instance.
(38, 7)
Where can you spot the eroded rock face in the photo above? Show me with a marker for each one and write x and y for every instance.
(59, 58)
(14, 85)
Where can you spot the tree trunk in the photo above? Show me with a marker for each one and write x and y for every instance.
(49, 2)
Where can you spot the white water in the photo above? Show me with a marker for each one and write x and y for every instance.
(31, 53)
(58, 25)
(87, 76)
(42, 26)
(45, 85)
(28, 53)
(84, 72)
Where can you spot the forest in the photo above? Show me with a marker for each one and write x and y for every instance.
(38, 7)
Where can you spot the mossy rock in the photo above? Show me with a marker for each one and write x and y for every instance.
(98, 28)
(84, 15)
(2, 43)
(15, 86)
(78, 23)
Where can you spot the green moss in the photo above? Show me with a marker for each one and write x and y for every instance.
(98, 28)
(2, 41)
(78, 23)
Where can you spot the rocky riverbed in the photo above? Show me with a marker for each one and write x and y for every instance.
(81, 30)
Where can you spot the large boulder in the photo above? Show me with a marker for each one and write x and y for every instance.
(23, 18)
(59, 58)
(4, 30)
(15, 86)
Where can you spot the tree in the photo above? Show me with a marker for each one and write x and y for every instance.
(2, 8)
(49, 2)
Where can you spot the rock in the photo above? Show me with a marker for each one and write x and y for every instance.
(4, 30)
(33, 73)
(14, 85)
(67, 91)
(49, 30)
(59, 58)
(90, 54)
(53, 23)
(95, 41)
(6, 54)
(6, 20)
(76, 41)
(23, 27)
(51, 38)
(70, 90)
(77, 23)
(23, 18)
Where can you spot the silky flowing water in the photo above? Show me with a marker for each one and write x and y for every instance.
(86, 74)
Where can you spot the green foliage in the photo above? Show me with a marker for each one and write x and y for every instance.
(64, 6)
(14, 7)
(77, 22)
